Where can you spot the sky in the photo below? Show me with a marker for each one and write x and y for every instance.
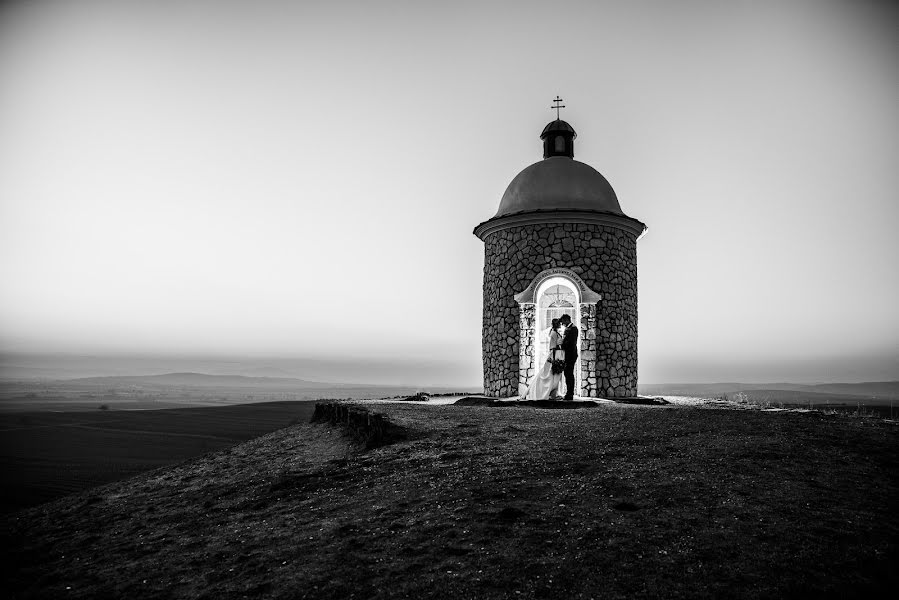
(296, 180)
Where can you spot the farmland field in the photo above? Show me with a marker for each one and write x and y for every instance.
(879, 398)
(882, 407)
(45, 455)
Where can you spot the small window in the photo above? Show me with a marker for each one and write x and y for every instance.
(555, 302)
(559, 144)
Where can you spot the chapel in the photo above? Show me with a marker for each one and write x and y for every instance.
(559, 244)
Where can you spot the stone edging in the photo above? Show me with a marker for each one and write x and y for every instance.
(371, 429)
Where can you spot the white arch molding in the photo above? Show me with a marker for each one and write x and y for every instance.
(529, 295)
(531, 327)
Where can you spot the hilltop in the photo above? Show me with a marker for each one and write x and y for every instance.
(616, 501)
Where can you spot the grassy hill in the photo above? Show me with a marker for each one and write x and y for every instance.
(614, 502)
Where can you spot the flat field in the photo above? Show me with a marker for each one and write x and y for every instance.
(45, 455)
(618, 501)
(886, 408)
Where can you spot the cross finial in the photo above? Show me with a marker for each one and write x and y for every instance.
(557, 105)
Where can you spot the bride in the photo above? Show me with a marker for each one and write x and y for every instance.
(546, 384)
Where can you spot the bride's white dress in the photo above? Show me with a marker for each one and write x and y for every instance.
(545, 383)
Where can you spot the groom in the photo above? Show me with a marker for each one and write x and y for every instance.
(569, 345)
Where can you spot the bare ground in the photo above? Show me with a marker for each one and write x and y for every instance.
(610, 502)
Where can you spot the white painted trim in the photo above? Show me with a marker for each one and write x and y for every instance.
(532, 292)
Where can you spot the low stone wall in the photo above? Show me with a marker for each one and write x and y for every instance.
(369, 428)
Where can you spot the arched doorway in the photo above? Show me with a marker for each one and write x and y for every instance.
(556, 296)
(552, 293)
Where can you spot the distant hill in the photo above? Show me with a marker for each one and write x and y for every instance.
(810, 399)
(881, 390)
(185, 389)
(205, 380)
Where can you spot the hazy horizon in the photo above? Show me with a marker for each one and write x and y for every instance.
(236, 181)
(353, 370)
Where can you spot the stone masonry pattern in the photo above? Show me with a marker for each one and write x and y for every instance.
(606, 259)
(527, 318)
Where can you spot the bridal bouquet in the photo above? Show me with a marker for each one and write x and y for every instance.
(558, 366)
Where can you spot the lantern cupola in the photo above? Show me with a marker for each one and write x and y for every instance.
(558, 139)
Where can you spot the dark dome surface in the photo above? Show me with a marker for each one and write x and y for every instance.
(559, 183)
(557, 125)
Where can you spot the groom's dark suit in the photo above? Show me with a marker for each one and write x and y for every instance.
(569, 345)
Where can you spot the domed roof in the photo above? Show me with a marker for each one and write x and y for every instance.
(557, 125)
(559, 183)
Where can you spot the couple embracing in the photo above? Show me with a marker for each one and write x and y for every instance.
(547, 383)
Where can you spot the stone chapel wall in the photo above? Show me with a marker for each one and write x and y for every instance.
(606, 259)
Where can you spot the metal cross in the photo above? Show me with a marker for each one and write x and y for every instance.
(557, 106)
(558, 294)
